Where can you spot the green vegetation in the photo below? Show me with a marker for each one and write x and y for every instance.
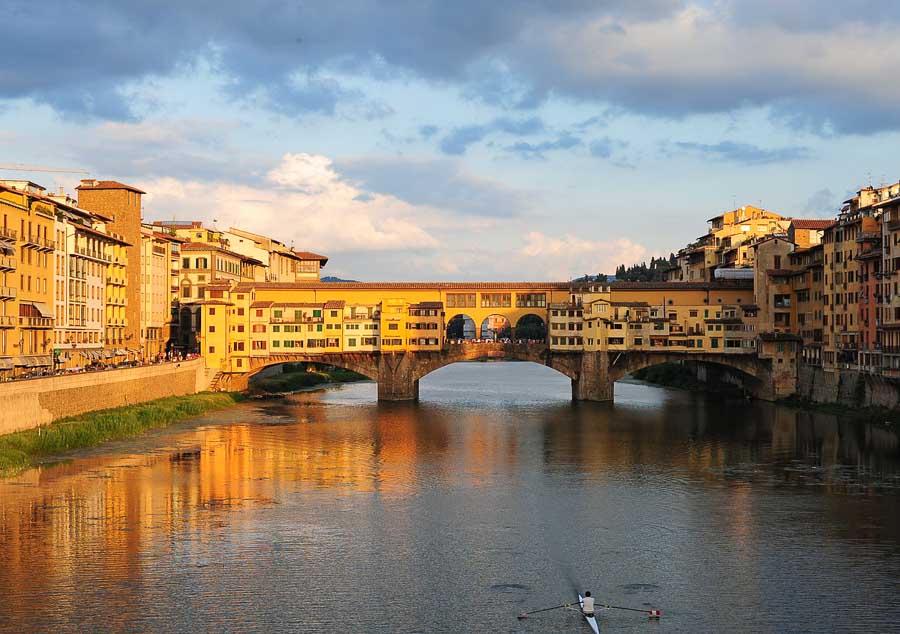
(670, 375)
(644, 273)
(295, 376)
(24, 449)
(883, 416)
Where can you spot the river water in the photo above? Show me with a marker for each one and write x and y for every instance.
(328, 512)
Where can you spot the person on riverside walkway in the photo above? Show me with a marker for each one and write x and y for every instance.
(587, 604)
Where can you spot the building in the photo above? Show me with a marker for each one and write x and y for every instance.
(158, 250)
(89, 288)
(121, 204)
(27, 270)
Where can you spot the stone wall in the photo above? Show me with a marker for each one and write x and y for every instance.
(30, 403)
(848, 387)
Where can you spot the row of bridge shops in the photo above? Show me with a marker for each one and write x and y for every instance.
(239, 327)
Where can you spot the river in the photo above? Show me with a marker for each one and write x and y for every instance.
(327, 512)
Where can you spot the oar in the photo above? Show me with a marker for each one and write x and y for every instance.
(525, 615)
(654, 614)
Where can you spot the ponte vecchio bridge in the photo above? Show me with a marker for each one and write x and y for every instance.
(397, 333)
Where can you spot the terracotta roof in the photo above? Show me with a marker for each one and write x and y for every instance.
(437, 305)
(635, 304)
(203, 246)
(95, 232)
(93, 184)
(811, 223)
(261, 304)
(334, 303)
(434, 286)
(683, 286)
(309, 255)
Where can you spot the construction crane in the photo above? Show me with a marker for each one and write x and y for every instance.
(22, 167)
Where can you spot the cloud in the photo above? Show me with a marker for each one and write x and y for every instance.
(743, 153)
(819, 69)
(428, 131)
(458, 140)
(187, 147)
(442, 184)
(565, 141)
(604, 148)
(303, 200)
(822, 203)
(570, 256)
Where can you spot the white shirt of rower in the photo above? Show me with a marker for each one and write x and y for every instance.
(587, 604)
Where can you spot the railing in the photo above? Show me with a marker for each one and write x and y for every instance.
(7, 321)
(36, 322)
(7, 264)
(8, 233)
(39, 242)
(7, 292)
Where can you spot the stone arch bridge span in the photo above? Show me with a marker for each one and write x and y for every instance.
(592, 373)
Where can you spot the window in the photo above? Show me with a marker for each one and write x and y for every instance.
(351, 342)
(212, 311)
(212, 328)
(185, 263)
(259, 312)
(393, 326)
(212, 349)
(496, 300)
(531, 300)
(460, 300)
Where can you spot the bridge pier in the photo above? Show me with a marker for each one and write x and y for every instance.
(592, 382)
(396, 377)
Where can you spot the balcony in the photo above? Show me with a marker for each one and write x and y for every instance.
(7, 321)
(7, 264)
(8, 233)
(7, 292)
(78, 275)
(36, 322)
(39, 243)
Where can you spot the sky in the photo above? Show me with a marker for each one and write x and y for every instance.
(464, 140)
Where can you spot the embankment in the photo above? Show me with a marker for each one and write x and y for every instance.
(29, 403)
(24, 449)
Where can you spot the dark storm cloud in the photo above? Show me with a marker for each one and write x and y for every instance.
(85, 58)
(439, 183)
(743, 153)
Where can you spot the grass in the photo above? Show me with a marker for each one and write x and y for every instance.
(24, 449)
(295, 377)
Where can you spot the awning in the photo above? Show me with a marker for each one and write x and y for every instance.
(6, 363)
(41, 307)
(121, 352)
(63, 356)
(40, 361)
(107, 354)
(21, 362)
(7, 248)
(85, 354)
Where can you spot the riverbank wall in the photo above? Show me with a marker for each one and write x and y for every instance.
(30, 403)
(848, 388)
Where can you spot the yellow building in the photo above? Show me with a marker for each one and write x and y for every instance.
(27, 219)
(121, 204)
(727, 244)
(88, 288)
(156, 289)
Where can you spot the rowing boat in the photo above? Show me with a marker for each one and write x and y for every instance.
(592, 621)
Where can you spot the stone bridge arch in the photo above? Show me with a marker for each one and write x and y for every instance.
(756, 373)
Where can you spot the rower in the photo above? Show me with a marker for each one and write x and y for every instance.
(587, 604)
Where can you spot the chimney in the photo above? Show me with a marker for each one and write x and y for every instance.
(61, 191)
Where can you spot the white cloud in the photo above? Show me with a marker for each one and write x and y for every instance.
(571, 256)
(302, 200)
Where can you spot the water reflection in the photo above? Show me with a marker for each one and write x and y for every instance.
(483, 498)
